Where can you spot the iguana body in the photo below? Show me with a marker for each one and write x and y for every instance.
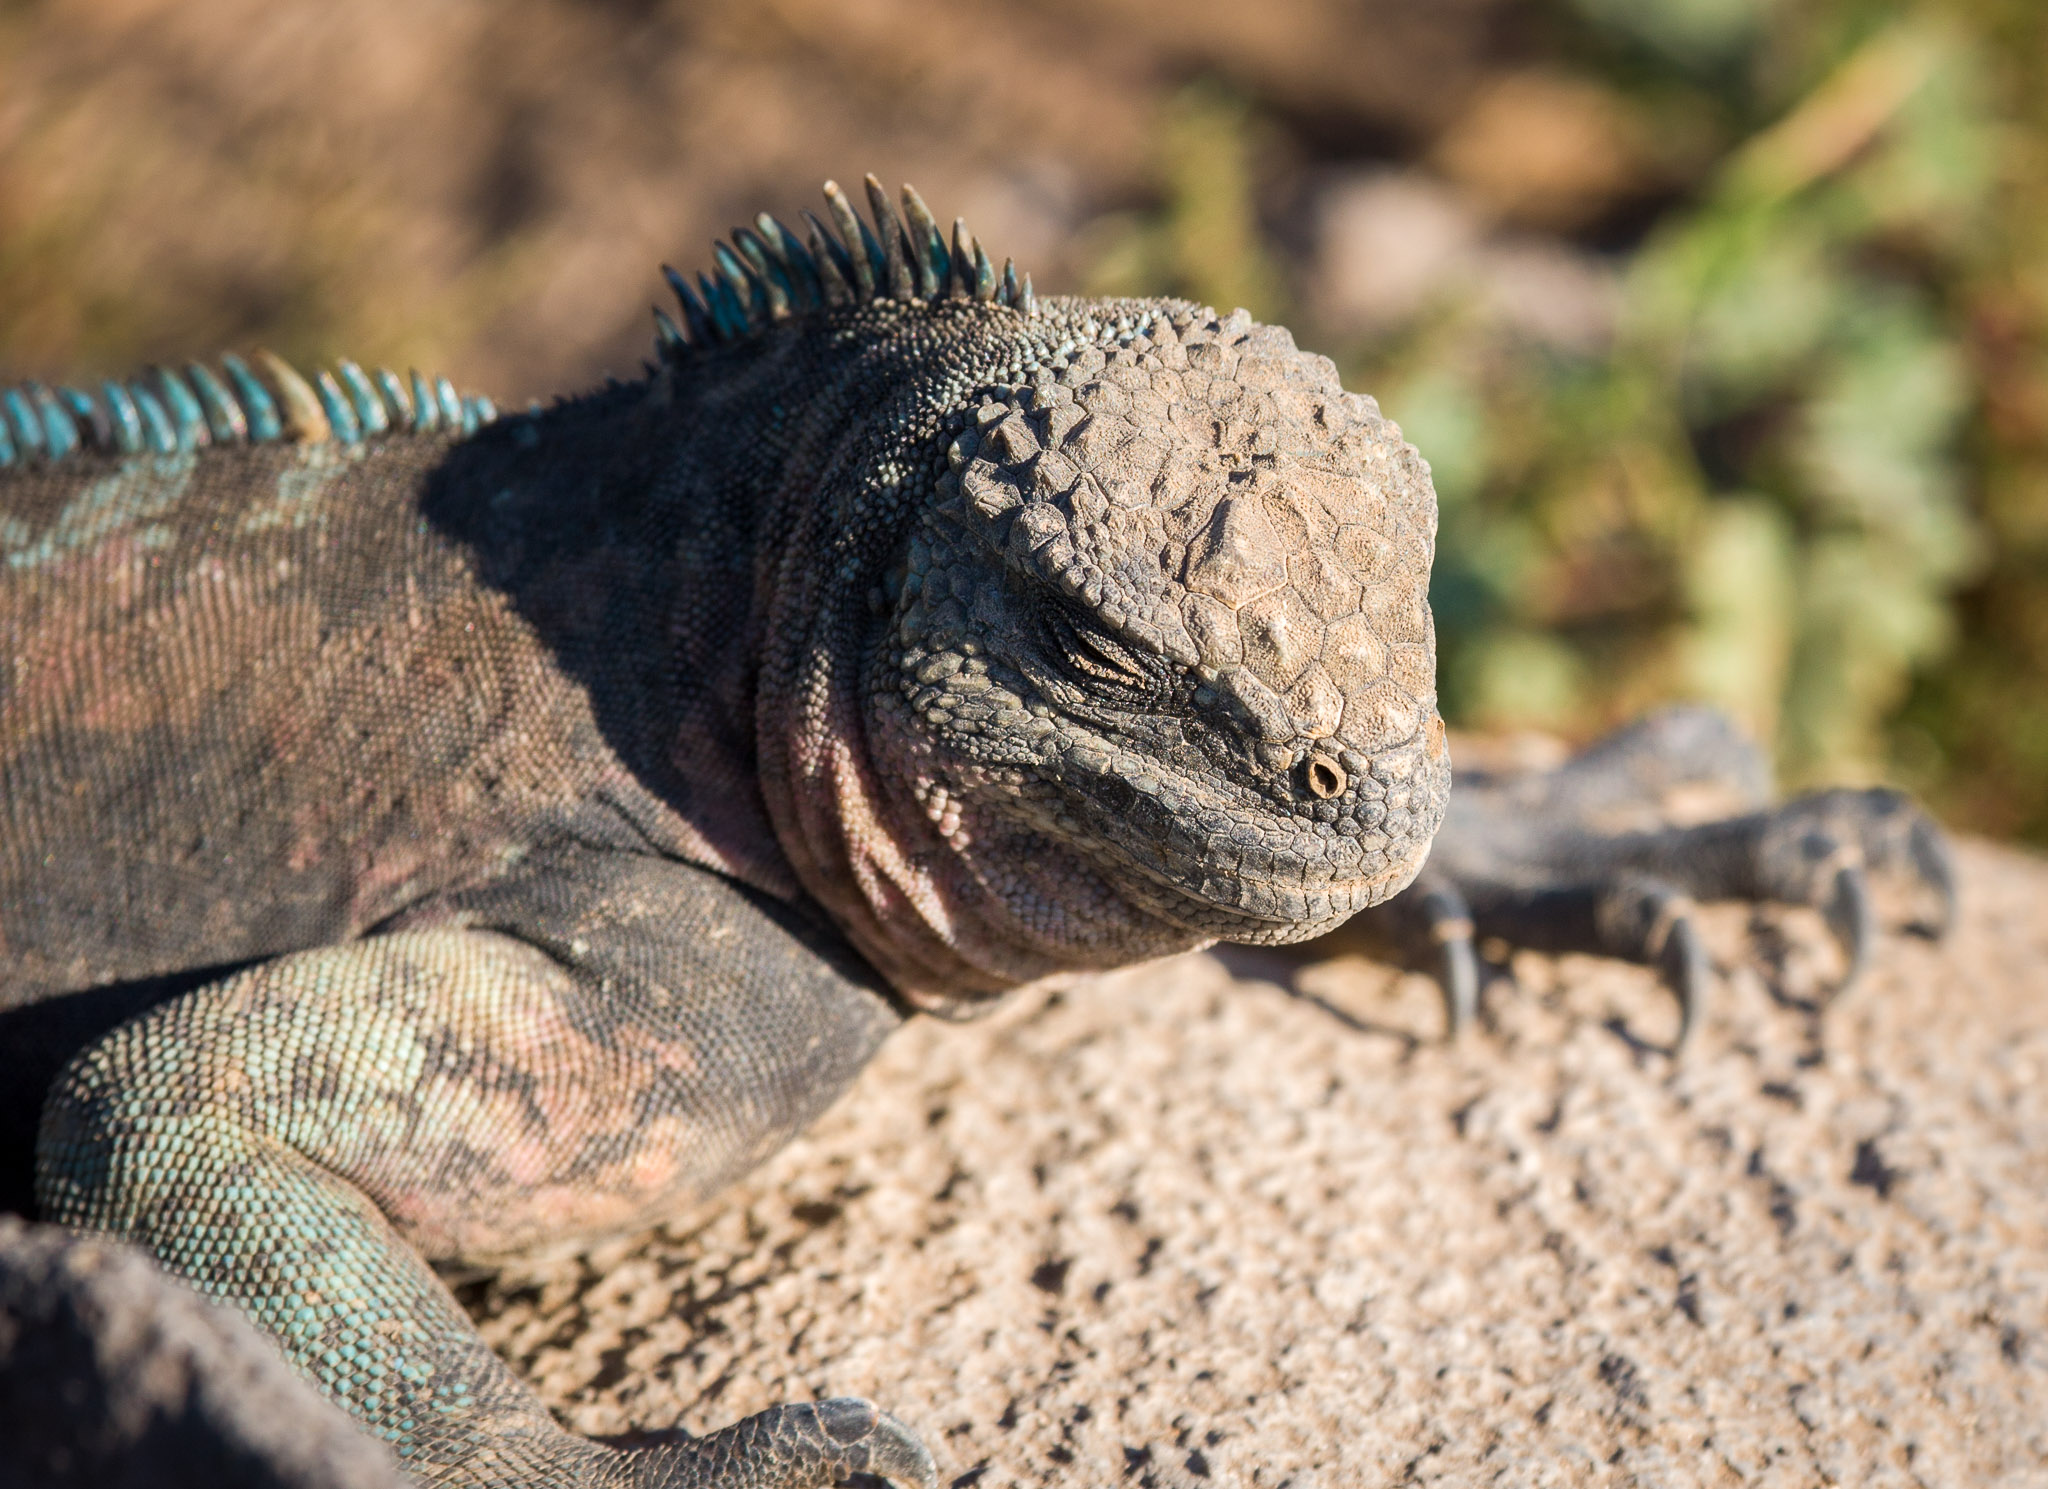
(502, 838)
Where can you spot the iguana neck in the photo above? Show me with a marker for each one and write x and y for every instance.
(861, 807)
(855, 418)
(747, 506)
(754, 505)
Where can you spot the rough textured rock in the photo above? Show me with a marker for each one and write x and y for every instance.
(1193, 1225)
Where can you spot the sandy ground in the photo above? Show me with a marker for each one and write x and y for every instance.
(1236, 1223)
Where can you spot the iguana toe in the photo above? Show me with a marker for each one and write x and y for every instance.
(1684, 965)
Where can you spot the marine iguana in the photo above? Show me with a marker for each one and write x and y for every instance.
(429, 834)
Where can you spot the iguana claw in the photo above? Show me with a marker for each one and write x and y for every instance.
(1935, 869)
(1449, 925)
(1684, 965)
(1850, 918)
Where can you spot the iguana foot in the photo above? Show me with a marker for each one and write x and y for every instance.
(1586, 858)
(799, 1446)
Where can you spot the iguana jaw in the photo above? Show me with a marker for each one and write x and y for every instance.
(1237, 870)
(1185, 857)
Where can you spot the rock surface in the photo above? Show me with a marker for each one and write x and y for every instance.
(1242, 1222)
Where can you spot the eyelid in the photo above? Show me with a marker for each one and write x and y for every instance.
(1112, 655)
(1102, 657)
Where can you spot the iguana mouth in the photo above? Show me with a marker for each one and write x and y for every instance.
(1287, 877)
(1264, 911)
(1183, 853)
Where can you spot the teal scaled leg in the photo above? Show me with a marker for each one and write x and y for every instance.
(581, 1051)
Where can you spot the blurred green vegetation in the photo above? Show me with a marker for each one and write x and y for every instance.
(1803, 471)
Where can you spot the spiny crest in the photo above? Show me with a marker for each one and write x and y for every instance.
(767, 273)
(167, 411)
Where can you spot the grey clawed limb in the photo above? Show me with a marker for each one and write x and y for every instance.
(1546, 880)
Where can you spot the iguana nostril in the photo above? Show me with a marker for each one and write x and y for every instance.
(1326, 777)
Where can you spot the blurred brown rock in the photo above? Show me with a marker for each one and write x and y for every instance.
(114, 1376)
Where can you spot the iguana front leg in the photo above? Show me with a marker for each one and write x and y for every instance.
(1587, 857)
(588, 1047)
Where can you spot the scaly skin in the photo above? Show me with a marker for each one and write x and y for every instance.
(507, 839)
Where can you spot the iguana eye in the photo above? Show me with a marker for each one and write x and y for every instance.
(1101, 655)
(1101, 661)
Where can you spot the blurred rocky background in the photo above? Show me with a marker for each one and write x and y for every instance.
(1724, 323)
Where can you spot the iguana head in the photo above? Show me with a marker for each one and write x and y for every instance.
(1168, 615)
(1146, 658)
